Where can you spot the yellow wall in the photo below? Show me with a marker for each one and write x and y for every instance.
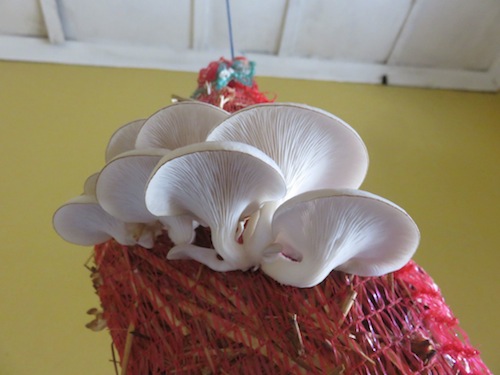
(435, 153)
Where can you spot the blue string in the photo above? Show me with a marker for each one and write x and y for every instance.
(231, 45)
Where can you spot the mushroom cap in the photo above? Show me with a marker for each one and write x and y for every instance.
(123, 139)
(313, 148)
(121, 187)
(83, 222)
(349, 230)
(212, 179)
(121, 184)
(179, 124)
(90, 184)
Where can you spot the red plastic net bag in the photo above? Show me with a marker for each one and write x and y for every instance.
(179, 317)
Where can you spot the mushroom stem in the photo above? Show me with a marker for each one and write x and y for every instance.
(180, 228)
(230, 250)
(257, 237)
(201, 254)
(143, 234)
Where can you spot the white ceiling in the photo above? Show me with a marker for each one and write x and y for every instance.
(425, 43)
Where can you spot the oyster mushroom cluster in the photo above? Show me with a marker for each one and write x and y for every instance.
(276, 183)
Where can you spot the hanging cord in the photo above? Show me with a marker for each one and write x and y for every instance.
(230, 28)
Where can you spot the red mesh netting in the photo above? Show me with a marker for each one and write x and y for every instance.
(180, 317)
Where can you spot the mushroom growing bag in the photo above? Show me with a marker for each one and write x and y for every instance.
(231, 237)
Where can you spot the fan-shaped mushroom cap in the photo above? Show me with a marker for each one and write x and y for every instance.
(220, 183)
(83, 222)
(349, 230)
(120, 192)
(121, 183)
(313, 148)
(179, 125)
(79, 221)
(123, 139)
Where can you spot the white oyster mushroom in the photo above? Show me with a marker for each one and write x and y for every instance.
(348, 230)
(82, 221)
(313, 148)
(120, 192)
(123, 139)
(179, 125)
(219, 183)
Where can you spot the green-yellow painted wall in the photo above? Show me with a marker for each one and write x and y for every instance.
(435, 153)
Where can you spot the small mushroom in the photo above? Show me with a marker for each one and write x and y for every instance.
(123, 139)
(349, 230)
(120, 192)
(313, 148)
(179, 125)
(220, 184)
(83, 221)
(98, 323)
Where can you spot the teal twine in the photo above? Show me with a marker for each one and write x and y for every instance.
(241, 71)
